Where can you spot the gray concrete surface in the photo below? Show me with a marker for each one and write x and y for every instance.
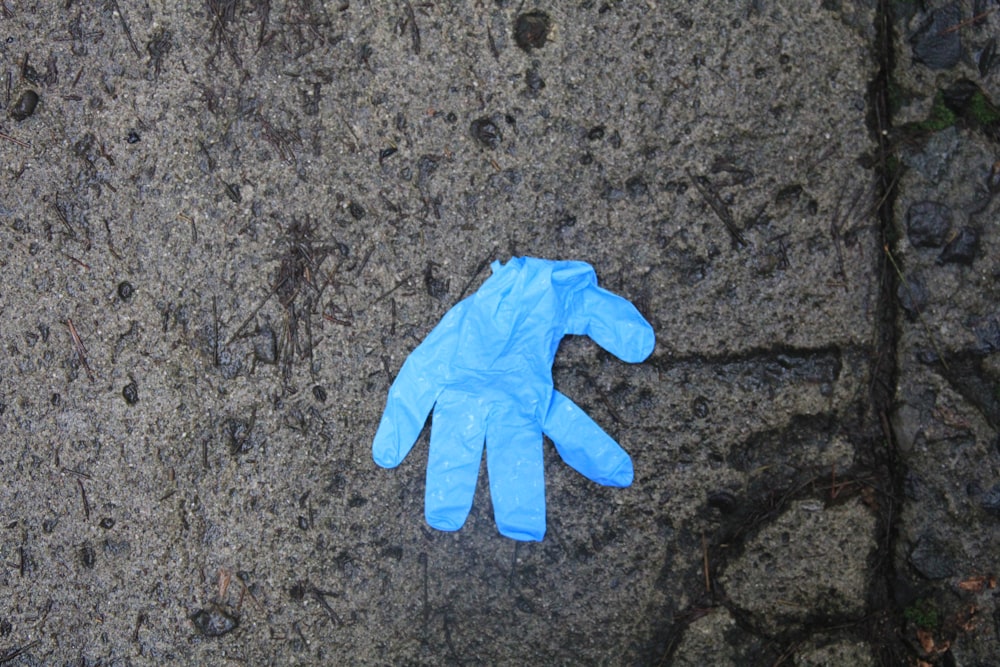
(947, 412)
(225, 224)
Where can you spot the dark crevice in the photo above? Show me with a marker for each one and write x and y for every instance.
(785, 355)
(883, 625)
(739, 520)
(879, 466)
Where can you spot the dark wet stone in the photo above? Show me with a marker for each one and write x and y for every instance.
(233, 192)
(931, 559)
(534, 81)
(486, 132)
(130, 393)
(25, 105)
(962, 249)
(724, 501)
(214, 622)
(987, 57)
(297, 591)
(436, 286)
(524, 605)
(636, 187)
(789, 194)
(88, 556)
(356, 210)
(699, 407)
(927, 224)
(965, 372)
(913, 296)
(426, 166)
(936, 43)
(125, 290)
(531, 30)
(990, 501)
(265, 346)
(987, 330)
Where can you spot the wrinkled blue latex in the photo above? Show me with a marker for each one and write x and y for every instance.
(486, 370)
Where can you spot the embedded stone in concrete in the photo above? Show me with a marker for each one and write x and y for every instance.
(824, 653)
(927, 223)
(812, 561)
(705, 642)
(936, 43)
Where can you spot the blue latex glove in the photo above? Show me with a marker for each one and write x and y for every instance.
(486, 370)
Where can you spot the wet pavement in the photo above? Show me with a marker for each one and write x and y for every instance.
(226, 224)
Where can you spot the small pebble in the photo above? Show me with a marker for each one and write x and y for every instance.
(927, 224)
(962, 249)
(125, 290)
(131, 393)
(214, 622)
(25, 105)
(486, 132)
(534, 81)
(531, 30)
(913, 296)
(88, 556)
(699, 407)
(936, 43)
(636, 187)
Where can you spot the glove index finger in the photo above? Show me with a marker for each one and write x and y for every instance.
(612, 322)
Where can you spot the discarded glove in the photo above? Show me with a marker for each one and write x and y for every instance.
(486, 370)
